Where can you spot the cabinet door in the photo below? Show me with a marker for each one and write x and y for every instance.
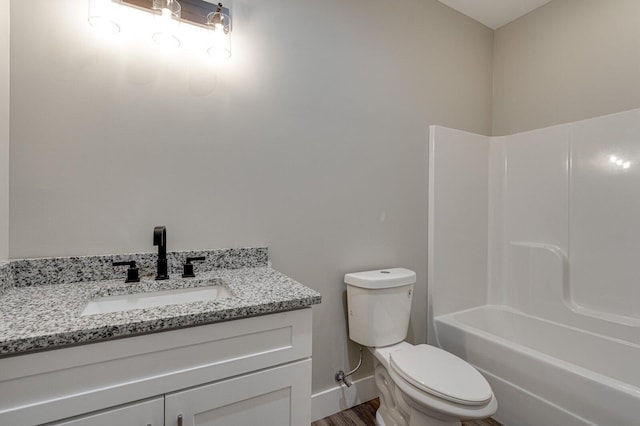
(278, 396)
(144, 413)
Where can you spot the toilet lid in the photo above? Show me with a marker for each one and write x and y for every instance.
(441, 374)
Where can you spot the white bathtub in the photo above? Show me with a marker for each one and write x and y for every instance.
(545, 373)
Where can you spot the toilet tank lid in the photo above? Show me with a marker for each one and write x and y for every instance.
(381, 278)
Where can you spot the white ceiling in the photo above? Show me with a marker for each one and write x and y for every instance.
(494, 13)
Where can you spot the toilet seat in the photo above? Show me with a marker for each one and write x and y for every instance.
(435, 407)
(441, 374)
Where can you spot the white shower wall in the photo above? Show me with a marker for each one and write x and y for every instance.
(529, 189)
(562, 213)
(605, 216)
(458, 204)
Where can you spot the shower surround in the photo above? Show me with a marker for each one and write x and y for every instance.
(534, 247)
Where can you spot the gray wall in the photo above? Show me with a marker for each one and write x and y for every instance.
(566, 61)
(4, 129)
(313, 141)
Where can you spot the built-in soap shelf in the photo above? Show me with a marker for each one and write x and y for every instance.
(538, 277)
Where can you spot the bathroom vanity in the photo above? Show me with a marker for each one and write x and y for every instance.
(242, 359)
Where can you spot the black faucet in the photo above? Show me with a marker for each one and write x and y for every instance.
(160, 240)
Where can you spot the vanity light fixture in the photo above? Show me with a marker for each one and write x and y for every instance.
(213, 20)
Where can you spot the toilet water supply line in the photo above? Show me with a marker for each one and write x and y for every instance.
(341, 377)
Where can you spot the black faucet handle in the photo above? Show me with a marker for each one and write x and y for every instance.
(188, 267)
(132, 272)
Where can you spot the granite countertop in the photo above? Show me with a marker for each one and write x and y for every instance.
(43, 317)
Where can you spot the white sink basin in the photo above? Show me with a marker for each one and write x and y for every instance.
(127, 302)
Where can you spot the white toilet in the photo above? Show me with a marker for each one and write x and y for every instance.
(419, 385)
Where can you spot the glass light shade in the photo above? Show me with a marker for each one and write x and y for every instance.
(104, 15)
(167, 22)
(219, 35)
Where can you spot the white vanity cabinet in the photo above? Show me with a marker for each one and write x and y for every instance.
(248, 371)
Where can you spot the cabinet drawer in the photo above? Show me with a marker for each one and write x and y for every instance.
(144, 413)
(277, 396)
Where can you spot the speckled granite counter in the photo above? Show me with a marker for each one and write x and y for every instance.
(49, 316)
(5, 267)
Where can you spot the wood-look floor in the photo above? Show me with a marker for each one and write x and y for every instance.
(365, 415)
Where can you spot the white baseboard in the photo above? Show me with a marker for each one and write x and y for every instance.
(338, 398)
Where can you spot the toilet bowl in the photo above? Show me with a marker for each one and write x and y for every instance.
(424, 385)
(418, 385)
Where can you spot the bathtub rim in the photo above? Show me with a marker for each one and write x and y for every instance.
(536, 354)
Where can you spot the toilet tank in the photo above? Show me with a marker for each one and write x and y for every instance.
(379, 305)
